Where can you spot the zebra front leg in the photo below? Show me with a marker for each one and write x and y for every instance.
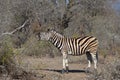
(67, 67)
(65, 63)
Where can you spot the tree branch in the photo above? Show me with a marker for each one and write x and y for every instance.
(12, 32)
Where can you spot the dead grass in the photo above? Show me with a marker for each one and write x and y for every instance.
(46, 68)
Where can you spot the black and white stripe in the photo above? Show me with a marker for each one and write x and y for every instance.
(73, 46)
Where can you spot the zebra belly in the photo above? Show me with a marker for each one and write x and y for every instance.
(73, 54)
(70, 52)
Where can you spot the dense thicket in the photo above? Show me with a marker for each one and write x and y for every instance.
(72, 18)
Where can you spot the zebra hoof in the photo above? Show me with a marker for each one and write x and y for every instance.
(67, 69)
(95, 71)
(63, 71)
(87, 70)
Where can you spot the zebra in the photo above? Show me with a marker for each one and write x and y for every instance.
(73, 46)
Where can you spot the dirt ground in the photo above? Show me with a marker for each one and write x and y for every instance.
(50, 68)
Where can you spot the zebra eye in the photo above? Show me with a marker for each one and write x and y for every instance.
(48, 30)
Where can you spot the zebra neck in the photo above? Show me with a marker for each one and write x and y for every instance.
(56, 41)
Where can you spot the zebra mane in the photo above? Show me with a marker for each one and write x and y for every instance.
(56, 33)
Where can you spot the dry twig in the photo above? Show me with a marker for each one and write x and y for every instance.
(15, 30)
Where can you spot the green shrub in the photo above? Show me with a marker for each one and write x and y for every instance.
(6, 51)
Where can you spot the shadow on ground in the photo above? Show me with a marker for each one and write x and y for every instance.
(70, 71)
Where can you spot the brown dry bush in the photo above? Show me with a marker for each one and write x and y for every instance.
(109, 71)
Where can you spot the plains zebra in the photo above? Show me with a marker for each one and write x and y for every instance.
(74, 46)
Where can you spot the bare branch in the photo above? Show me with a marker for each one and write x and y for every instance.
(19, 27)
(12, 32)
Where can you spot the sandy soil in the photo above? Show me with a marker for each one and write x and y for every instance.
(50, 68)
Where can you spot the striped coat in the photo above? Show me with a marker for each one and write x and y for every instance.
(73, 46)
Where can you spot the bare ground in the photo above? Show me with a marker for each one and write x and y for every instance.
(48, 68)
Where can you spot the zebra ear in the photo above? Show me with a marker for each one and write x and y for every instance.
(52, 29)
(48, 30)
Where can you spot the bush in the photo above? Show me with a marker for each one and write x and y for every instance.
(6, 51)
(33, 47)
(8, 66)
(6, 55)
(110, 71)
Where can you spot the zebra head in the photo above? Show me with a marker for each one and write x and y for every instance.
(45, 35)
(49, 34)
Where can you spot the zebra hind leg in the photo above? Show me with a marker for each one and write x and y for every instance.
(94, 58)
(89, 58)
